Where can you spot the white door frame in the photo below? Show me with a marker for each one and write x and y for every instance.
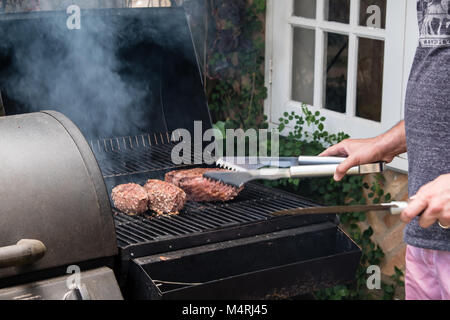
(400, 43)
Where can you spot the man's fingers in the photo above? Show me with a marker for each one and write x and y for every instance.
(434, 213)
(444, 216)
(429, 217)
(331, 151)
(344, 167)
(445, 221)
(336, 150)
(415, 207)
(427, 220)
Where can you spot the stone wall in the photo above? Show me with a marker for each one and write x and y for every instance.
(388, 229)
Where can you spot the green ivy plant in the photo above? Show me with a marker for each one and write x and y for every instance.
(235, 72)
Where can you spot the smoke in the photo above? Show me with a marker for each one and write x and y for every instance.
(106, 77)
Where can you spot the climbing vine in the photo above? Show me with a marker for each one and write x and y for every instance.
(233, 59)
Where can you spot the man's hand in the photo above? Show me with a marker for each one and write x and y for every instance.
(364, 151)
(433, 199)
(359, 152)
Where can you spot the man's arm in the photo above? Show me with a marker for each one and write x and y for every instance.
(432, 200)
(362, 151)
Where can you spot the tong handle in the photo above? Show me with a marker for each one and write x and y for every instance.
(328, 170)
(397, 207)
(311, 160)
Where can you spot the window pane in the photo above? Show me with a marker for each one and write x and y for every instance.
(373, 13)
(305, 8)
(370, 79)
(338, 10)
(336, 73)
(303, 65)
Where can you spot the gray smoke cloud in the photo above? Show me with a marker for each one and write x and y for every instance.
(105, 76)
(77, 72)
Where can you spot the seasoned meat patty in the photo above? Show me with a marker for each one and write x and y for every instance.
(201, 189)
(130, 198)
(164, 197)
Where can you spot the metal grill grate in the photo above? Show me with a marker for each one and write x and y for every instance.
(136, 159)
(136, 155)
(255, 204)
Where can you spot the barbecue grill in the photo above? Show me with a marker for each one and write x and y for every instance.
(211, 250)
(55, 206)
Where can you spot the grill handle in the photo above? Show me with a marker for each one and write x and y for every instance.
(25, 252)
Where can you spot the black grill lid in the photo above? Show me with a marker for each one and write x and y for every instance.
(125, 72)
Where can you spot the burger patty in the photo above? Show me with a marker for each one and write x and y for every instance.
(164, 197)
(130, 198)
(200, 189)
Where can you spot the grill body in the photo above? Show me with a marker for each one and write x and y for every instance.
(276, 265)
(219, 250)
(52, 191)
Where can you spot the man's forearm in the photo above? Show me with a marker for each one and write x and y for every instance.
(394, 140)
(361, 151)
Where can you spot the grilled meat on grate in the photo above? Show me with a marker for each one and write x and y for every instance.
(164, 197)
(200, 189)
(130, 198)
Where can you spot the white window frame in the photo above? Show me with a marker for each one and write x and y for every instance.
(400, 42)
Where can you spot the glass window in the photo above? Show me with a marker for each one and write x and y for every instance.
(303, 65)
(370, 79)
(373, 13)
(338, 10)
(305, 8)
(336, 72)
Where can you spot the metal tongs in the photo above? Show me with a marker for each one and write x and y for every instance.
(273, 168)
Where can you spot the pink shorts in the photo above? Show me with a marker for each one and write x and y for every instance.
(427, 274)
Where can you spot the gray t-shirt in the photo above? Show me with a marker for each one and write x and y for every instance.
(427, 114)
